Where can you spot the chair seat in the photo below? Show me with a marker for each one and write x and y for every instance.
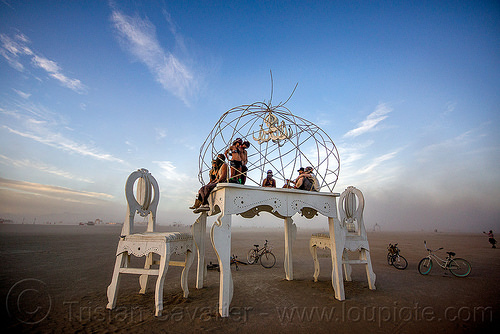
(141, 244)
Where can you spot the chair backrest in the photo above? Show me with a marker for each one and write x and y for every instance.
(145, 202)
(351, 206)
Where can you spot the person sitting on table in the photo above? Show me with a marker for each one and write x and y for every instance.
(269, 181)
(201, 201)
(309, 173)
(303, 181)
(213, 171)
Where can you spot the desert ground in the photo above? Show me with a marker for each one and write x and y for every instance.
(53, 279)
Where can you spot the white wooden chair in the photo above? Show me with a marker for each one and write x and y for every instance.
(148, 243)
(349, 236)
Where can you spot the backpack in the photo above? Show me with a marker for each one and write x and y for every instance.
(315, 183)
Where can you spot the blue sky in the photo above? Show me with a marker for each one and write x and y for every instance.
(92, 90)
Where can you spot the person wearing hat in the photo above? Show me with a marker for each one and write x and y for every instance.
(306, 180)
(301, 182)
(310, 175)
(269, 181)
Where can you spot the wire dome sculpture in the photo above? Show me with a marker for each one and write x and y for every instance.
(279, 141)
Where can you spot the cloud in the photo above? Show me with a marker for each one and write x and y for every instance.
(350, 153)
(58, 141)
(177, 188)
(55, 192)
(21, 108)
(168, 171)
(370, 123)
(12, 49)
(42, 167)
(377, 162)
(42, 125)
(160, 133)
(138, 37)
(22, 94)
(455, 148)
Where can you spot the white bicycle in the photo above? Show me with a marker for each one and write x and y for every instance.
(457, 266)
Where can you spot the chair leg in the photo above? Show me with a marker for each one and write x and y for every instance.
(185, 271)
(112, 291)
(314, 252)
(164, 261)
(199, 230)
(347, 267)
(143, 279)
(369, 270)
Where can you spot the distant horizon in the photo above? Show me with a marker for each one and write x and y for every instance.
(243, 226)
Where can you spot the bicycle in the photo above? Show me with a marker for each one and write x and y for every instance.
(395, 259)
(457, 266)
(264, 254)
(234, 260)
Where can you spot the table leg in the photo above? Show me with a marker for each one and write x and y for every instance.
(337, 240)
(290, 232)
(220, 234)
(199, 230)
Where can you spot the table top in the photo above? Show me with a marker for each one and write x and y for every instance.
(249, 201)
(284, 190)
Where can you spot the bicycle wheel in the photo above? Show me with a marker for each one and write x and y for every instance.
(459, 267)
(390, 259)
(267, 260)
(251, 256)
(399, 262)
(425, 266)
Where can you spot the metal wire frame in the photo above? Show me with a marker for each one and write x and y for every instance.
(308, 145)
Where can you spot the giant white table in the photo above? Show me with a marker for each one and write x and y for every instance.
(228, 199)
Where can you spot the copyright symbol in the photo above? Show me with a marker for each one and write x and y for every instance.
(28, 301)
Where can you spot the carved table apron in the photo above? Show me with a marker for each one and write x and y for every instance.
(248, 201)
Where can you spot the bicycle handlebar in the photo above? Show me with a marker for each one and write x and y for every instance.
(430, 250)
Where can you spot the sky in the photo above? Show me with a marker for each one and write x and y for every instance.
(93, 90)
